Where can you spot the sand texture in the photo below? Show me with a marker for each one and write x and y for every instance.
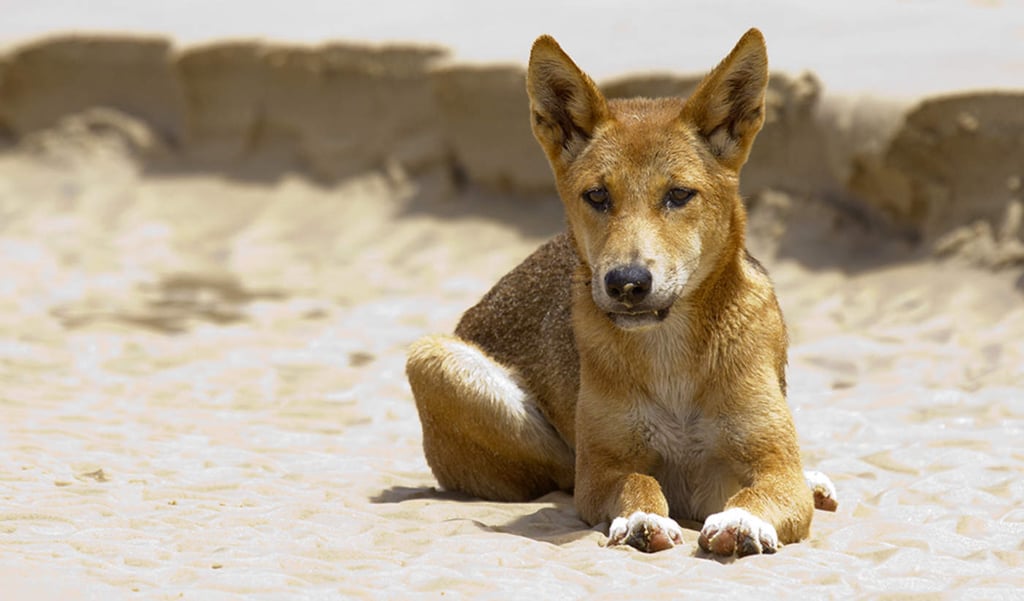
(214, 258)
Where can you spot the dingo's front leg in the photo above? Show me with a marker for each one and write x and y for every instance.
(635, 505)
(737, 530)
(612, 486)
(775, 505)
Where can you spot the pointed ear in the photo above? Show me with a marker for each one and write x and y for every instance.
(728, 105)
(566, 107)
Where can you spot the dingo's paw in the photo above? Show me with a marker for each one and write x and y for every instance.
(737, 531)
(824, 491)
(647, 532)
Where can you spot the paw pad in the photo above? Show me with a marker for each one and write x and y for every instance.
(647, 532)
(737, 532)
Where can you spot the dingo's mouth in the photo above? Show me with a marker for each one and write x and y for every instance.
(628, 320)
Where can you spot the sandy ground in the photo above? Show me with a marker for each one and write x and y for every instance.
(203, 397)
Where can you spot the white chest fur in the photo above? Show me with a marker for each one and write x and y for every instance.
(695, 479)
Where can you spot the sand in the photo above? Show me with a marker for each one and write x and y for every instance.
(210, 283)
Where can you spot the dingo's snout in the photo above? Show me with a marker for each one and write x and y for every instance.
(628, 284)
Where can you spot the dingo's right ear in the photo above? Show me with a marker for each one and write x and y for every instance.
(565, 105)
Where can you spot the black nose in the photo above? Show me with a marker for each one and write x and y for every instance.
(628, 285)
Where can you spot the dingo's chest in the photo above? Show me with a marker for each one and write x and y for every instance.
(695, 478)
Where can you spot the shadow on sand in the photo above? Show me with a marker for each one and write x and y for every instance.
(556, 522)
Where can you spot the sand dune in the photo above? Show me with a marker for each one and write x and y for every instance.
(215, 257)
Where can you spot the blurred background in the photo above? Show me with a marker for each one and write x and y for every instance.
(336, 88)
(891, 47)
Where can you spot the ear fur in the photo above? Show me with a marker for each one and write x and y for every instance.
(565, 104)
(729, 104)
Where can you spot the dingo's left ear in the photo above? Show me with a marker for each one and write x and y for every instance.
(565, 104)
(728, 105)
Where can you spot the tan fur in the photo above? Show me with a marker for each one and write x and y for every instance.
(669, 404)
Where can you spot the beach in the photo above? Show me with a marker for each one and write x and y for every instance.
(216, 254)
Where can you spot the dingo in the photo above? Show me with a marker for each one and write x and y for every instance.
(638, 359)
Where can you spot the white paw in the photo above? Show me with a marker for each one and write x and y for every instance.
(825, 497)
(648, 532)
(737, 531)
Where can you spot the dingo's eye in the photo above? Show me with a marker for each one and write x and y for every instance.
(598, 199)
(678, 197)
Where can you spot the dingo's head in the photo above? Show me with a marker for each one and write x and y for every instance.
(650, 187)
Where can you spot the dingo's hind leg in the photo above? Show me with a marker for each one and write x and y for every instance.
(825, 497)
(482, 432)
